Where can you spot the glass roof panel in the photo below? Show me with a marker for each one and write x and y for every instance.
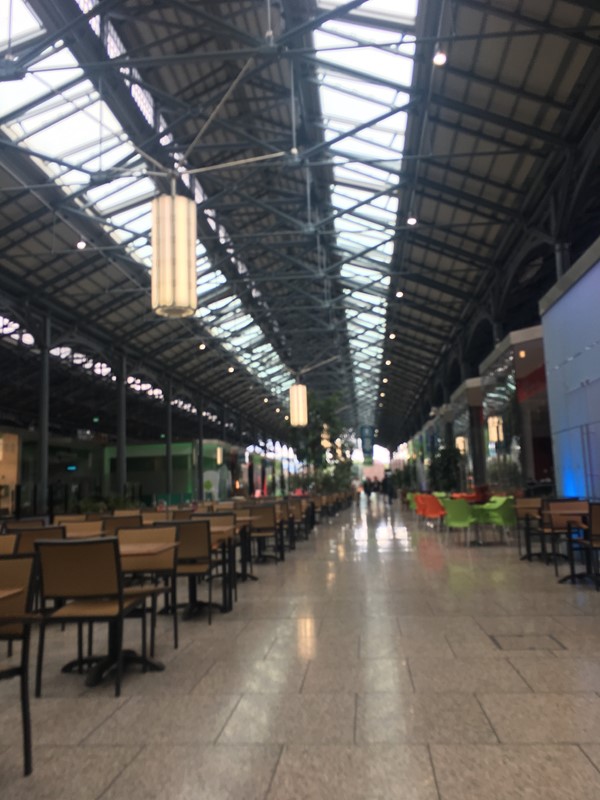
(356, 62)
(74, 125)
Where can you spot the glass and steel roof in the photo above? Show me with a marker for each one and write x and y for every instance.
(364, 72)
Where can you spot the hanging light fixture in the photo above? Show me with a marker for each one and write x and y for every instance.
(298, 405)
(174, 291)
(495, 429)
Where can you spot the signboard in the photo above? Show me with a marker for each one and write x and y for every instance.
(367, 437)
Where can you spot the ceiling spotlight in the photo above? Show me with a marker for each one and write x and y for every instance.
(381, 394)
(230, 369)
(380, 405)
(202, 346)
(399, 295)
(411, 220)
(385, 380)
(286, 418)
(277, 410)
(522, 353)
(81, 245)
(266, 400)
(388, 363)
(392, 335)
(439, 58)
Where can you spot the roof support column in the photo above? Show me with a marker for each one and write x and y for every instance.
(122, 428)
(200, 406)
(562, 258)
(169, 440)
(44, 420)
(476, 442)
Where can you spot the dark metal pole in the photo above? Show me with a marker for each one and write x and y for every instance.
(200, 448)
(169, 446)
(122, 427)
(562, 258)
(476, 440)
(44, 419)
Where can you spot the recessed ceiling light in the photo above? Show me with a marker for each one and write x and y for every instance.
(230, 369)
(381, 394)
(399, 294)
(286, 417)
(412, 220)
(277, 410)
(388, 363)
(202, 346)
(385, 380)
(266, 400)
(439, 58)
(380, 405)
(392, 335)
(81, 245)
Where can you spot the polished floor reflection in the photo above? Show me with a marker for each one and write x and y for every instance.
(381, 660)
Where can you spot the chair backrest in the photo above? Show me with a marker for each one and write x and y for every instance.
(113, 524)
(224, 519)
(78, 568)
(26, 539)
(594, 519)
(125, 512)
(94, 516)
(61, 519)
(159, 534)
(179, 514)
(15, 572)
(150, 517)
(194, 540)
(263, 517)
(8, 543)
(528, 507)
(86, 528)
(18, 524)
(458, 513)
(224, 505)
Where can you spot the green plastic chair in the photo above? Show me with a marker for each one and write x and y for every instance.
(497, 512)
(459, 515)
(410, 499)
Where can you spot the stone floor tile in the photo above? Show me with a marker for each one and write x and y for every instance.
(544, 718)
(354, 773)
(465, 675)
(507, 772)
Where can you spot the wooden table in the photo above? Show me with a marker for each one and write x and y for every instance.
(6, 594)
(137, 549)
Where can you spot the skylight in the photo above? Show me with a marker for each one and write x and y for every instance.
(365, 71)
(78, 137)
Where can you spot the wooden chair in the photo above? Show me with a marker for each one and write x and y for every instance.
(84, 576)
(13, 525)
(113, 524)
(126, 512)
(150, 517)
(181, 514)
(17, 572)
(150, 569)
(195, 560)
(8, 543)
(265, 527)
(81, 530)
(26, 539)
(528, 511)
(61, 519)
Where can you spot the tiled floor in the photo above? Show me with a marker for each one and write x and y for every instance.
(381, 660)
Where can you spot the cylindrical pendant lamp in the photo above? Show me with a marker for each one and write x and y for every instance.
(174, 291)
(219, 455)
(298, 405)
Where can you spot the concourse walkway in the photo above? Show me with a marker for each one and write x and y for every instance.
(382, 659)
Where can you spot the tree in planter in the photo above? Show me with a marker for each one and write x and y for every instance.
(444, 471)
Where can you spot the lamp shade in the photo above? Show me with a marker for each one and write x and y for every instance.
(495, 429)
(298, 405)
(174, 291)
